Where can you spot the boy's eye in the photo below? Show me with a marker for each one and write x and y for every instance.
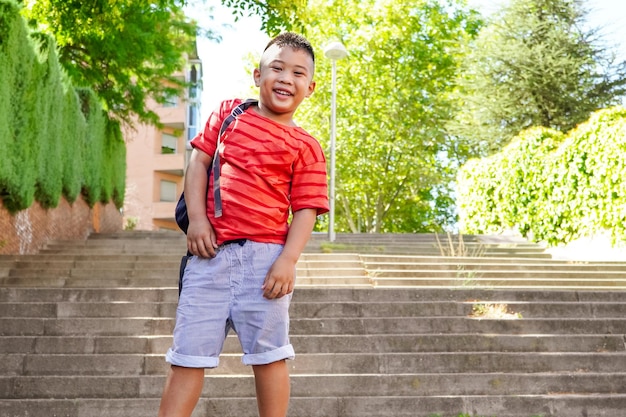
(276, 68)
(298, 73)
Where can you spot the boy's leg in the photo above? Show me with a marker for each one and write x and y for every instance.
(272, 388)
(182, 391)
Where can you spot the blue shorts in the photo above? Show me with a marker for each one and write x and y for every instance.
(225, 293)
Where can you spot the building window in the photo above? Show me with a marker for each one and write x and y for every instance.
(192, 125)
(171, 101)
(168, 144)
(168, 191)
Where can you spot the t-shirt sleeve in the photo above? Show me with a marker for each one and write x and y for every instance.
(206, 140)
(309, 187)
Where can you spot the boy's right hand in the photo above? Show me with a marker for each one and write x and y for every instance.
(201, 239)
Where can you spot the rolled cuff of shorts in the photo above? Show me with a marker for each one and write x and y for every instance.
(187, 361)
(285, 352)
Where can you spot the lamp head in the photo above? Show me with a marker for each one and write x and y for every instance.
(335, 50)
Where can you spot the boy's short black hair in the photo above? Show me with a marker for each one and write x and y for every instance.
(293, 40)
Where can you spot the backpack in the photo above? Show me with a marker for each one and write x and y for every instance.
(180, 213)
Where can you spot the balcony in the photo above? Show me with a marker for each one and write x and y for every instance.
(164, 210)
(173, 117)
(170, 163)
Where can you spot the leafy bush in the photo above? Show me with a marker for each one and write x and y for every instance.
(549, 186)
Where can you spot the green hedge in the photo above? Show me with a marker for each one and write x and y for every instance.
(551, 187)
(21, 68)
(50, 114)
(54, 139)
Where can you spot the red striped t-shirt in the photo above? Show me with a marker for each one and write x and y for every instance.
(266, 169)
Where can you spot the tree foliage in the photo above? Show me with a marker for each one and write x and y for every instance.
(126, 51)
(129, 51)
(534, 64)
(276, 15)
(392, 103)
(550, 186)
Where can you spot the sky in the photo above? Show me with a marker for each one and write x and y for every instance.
(227, 71)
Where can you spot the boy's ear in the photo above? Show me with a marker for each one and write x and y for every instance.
(256, 74)
(311, 89)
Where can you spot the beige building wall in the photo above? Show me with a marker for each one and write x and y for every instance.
(156, 159)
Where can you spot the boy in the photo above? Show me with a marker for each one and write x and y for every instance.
(242, 274)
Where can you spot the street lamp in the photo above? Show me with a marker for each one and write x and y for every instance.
(333, 51)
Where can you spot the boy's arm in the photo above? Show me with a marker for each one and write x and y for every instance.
(281, 276)
(201, 239)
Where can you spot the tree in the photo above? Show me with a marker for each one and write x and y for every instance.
(127, 51)
(533, 65)
(392, 107)
(276, 15)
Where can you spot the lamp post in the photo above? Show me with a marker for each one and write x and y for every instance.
(334, 51)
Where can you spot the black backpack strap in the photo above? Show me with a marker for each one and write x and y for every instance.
(183, 265)
(237, 111)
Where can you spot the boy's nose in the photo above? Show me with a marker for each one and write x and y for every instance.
(285, 78)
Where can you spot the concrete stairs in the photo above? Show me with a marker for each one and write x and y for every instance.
(84, 326)
(428, 244)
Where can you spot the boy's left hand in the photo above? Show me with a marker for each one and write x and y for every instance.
(279, 280)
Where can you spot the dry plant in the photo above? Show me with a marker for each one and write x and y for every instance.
(493, 311)
(458, 248)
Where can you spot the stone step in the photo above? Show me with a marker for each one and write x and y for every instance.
(306, 344)
(71, 267)
(322, 262)
(356, 281)
(68, 282)
(112, 309)
(339, 385)
(171, 281)
(389, 248)
(349, 281)
(167, 270)
(96, 260)
(449, 263)
(90, 309)
(139, 234)
(420, 251)
(168, 246)
(55, 295)
(325, 363)
(324, 295)
(494, 274)
(443, 239)
(327, 326)
(503, 283)
(552, 405)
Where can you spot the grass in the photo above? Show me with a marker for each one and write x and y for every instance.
(131, 223)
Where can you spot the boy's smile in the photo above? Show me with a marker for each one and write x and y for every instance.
(285, 78)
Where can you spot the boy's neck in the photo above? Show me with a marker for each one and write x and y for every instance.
(283, 119)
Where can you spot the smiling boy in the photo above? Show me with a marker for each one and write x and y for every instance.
(242, 274)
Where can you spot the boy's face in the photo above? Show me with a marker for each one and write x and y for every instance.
(284, 78)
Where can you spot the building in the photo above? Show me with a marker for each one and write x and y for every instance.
(156, 158)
